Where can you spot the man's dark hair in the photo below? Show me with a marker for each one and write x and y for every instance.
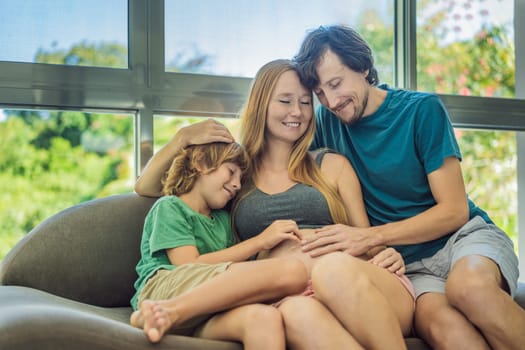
(345, 42)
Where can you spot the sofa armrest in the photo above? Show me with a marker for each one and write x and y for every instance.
(86, 253)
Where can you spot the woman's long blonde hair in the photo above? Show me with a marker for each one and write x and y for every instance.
(184, 170)
(301, 167)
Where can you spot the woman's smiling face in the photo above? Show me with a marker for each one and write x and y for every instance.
(290, 110)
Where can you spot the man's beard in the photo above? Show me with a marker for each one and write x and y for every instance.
(359, 112)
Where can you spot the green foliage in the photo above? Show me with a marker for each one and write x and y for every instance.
(380, 39)
(86, 54)
(482, 65)
(44, 169)
(166, 127)
(51, 160)
(489, 169)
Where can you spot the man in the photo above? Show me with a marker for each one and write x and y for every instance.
(403, 148)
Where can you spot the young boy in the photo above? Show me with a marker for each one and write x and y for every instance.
(188, 245)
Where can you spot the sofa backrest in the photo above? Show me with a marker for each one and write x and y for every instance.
(87, 253)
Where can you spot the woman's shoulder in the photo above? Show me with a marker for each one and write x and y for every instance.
(334, 164)
(327, 156)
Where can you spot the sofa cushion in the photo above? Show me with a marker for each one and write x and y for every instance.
(32, 319)
(85, 253)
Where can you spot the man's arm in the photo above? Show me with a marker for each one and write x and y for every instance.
(448, 214)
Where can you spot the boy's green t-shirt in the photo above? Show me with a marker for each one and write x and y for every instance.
(170, 223)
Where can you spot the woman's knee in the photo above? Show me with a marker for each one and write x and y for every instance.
(292, 275)
(297, 310)
(328, 272)
(328, 265)
(262, 325)
(263, 316)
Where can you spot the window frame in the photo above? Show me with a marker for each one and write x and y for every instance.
(145, 89)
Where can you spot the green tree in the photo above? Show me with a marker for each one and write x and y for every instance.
(50, 160)
(104, 54)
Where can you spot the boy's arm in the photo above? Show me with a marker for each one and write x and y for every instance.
(239, 252)
(277, 232)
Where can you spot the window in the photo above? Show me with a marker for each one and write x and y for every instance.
(50, 160)
(466, 47)
(166, 126)
(68, 32)
(247, 34)
(490, 175)
(192, 59)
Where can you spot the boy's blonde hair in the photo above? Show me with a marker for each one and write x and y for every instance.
(184, 170)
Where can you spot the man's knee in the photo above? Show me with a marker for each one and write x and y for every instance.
(473, 282)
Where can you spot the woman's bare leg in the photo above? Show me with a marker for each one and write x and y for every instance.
(257, 326)
(310, 325)
(243, 283)
(369, 301)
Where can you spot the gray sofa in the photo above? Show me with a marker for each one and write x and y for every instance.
(68, 283)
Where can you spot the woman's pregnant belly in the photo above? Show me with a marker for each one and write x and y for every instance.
(289, 248)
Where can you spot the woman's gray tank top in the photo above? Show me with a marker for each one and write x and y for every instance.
(301, 203)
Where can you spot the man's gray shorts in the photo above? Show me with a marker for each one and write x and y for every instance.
(476, 237)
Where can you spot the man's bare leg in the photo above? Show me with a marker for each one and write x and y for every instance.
(476, 288)
(444, 327)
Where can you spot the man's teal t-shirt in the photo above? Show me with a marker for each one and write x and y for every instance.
(392, 151)
(170, 223)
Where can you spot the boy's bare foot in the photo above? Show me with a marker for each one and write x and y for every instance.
(136, 319)
(153, 318)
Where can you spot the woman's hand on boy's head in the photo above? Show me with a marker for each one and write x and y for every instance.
(207, 131)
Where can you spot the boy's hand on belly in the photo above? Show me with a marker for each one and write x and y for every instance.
(279, 231)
